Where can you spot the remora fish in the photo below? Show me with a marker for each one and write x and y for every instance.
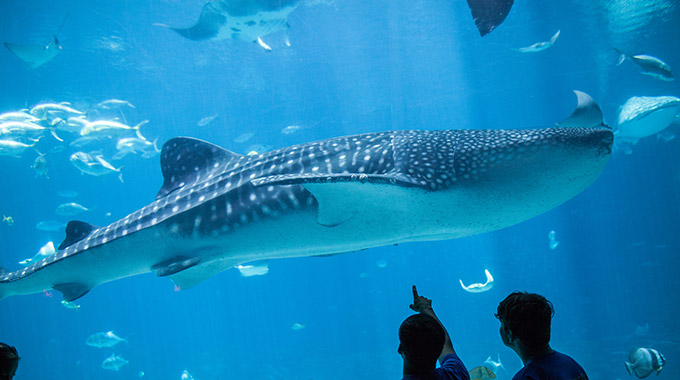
(238, 19)
(331, 196)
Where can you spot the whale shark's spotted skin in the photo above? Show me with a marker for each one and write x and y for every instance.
(213, 196)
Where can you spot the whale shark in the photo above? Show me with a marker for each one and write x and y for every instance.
(245, 20)
(217, 209)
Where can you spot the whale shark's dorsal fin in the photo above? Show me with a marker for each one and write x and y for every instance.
(586, 115)
(184, 160)
(75, 232)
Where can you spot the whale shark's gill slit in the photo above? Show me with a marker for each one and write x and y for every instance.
(185, 161)
(75, 232)
(174, 265)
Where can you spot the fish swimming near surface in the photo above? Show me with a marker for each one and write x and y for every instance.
(479, 288)
(245, 20)
(70, 209)
(50, 226)
(643, 362)
(114, 362)
(217, 209)
(643, 116)
(494, 365)
(488, 14)
(652, 66)
(539, 46)
(35, 55)
(93, 165)
(45, 251)
(104, 339)
(40, 166)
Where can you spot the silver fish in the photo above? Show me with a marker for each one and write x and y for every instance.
(93, 165)
(114, 362)
(70, 209)
(104, 339)
(652, 66)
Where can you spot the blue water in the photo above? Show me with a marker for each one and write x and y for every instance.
(353, 67)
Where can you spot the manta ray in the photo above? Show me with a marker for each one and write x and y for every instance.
(246, 20)
(217, 209)
(35, 55)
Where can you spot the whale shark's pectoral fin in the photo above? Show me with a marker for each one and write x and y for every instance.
(339, 195)
(71, 291)
(174, 265)
(586, 115)
(207, 26)
(75, 232)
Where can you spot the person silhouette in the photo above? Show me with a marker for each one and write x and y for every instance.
(9, 361)
(422, 340)
(525, 328)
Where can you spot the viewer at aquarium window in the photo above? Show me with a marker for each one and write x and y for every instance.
(525, 328)
(9, 361)
(422, 340)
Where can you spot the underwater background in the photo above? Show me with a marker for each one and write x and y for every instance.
(352, 67)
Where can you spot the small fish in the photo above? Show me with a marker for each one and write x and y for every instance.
(40, 166)
(134, 145)
(95, 166)
(244, 137)
(206, 120)
(67, 194)
(552, 240)
(20, 116)
(46, 251)
(642, 330)
(50, 226)
(53, 110)
(478, 288)
(186, 375)
(257, 268)
(289, 130)
(113, 104)
(111, 128)
(14, 148)
(104, 339)
(297, 326)
(381, 263)
(8, 220)
(70, 305)
(494, 365)
(539, 46)
(70, 209)
(644, 361)
(652, 66)
(140, 374)
(481, 373)
(84, 141)
(114, 362)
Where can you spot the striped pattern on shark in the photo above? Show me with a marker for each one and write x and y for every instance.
(218, 209)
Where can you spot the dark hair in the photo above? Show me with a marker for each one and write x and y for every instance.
(527, 316)
(422, 340)
(9, 359)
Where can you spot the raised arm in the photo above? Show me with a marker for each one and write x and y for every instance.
(423, 305)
